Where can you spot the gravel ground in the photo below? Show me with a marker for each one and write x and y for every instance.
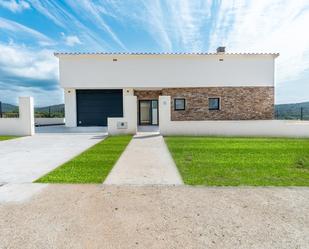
(97, 216)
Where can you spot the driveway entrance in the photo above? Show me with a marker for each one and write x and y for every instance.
(25, 159)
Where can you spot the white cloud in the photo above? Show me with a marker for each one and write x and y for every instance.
(94, 14)
(267, 26)
(42, 97)
(187, 21)
(17, 28)
(155, 24)
(71, 40)
(20, 61)
(15, 6)
(173, 25)
(28, 72)
(54, 11)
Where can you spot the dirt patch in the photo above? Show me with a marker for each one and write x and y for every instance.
(97, 216)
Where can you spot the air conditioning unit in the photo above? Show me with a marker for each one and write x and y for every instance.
(122, 125)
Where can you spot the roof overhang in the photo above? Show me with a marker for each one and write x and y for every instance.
(65, 54)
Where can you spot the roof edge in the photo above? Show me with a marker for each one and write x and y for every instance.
(58, 54)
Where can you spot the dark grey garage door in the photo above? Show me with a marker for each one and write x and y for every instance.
(94, 106)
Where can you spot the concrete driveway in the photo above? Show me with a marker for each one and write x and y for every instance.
(25, 159)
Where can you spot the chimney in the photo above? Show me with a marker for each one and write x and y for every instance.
(221, 50)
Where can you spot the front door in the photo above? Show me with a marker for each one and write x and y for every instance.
(148, 112)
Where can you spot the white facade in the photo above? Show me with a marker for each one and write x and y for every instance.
(22, 126)
(99, 71)
(131, 72)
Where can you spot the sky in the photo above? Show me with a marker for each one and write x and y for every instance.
(32, 30)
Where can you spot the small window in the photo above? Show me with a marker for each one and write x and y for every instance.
(179, 104)
(214, 104)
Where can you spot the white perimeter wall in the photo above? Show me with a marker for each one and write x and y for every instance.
(144, 71)
(49, 121)
(272, 128)
(22, 126)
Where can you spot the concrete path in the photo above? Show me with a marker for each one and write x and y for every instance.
(25, 159)
(145, 161)
(19, 192)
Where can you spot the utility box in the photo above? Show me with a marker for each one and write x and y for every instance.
(122, 125)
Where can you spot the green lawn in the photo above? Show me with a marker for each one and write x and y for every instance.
(2, 138)
(92, 166)
(216, 161)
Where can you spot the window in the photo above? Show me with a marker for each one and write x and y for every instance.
(214, 104)
(179, 104)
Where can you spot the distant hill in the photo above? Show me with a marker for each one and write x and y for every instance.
(52, 108)
(53, 111)
(46, 111)
(9, 108)
(292, 111)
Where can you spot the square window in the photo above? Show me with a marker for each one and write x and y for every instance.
(179, 104)
(214, 104)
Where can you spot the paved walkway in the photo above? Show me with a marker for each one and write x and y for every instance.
(145, 161)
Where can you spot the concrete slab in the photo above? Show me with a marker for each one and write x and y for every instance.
(75, 130)
(148, 128)
(145, 161)
(25, 159)
(19, 192)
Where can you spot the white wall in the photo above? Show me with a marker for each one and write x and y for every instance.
(49, 121)
(129, 116)
(145, 71)
(129, 109)
(70, 107)
(271, 128)
(22, 126)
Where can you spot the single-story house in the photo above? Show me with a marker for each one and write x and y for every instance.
(201, 86)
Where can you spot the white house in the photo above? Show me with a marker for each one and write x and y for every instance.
(122, 90)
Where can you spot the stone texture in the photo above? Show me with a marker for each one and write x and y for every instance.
(147, 94)
(237, 103)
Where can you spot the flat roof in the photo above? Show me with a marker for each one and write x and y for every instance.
(58, 54)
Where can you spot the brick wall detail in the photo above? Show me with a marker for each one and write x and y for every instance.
(237, 103)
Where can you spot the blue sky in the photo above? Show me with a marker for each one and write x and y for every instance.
(31, 30)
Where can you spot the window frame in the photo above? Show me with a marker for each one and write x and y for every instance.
(184, 104)
(219, 104)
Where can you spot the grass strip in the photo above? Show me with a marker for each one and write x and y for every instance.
(91, 166)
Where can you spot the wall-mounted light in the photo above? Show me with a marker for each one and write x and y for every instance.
(221, 59)
(114, 59)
